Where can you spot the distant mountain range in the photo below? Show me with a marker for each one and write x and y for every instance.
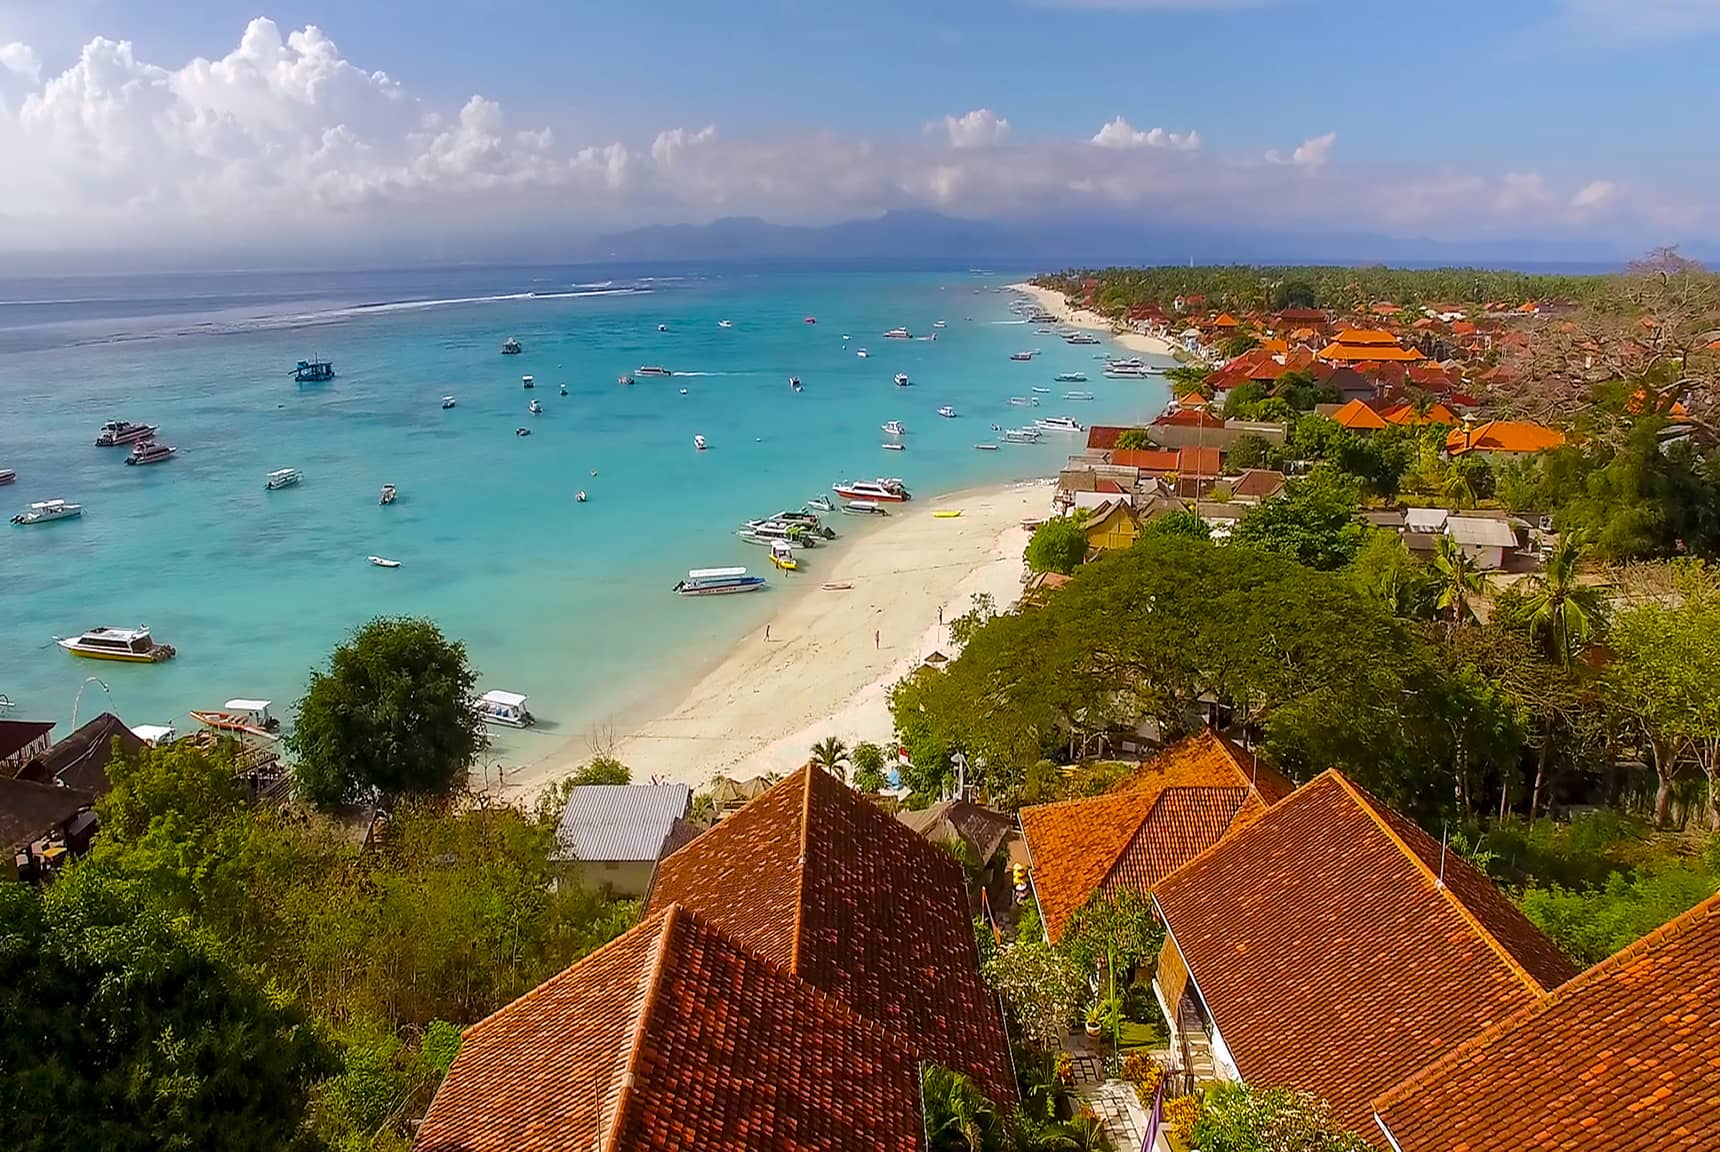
(928, 237)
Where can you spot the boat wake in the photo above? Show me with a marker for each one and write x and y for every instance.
(1009, 321)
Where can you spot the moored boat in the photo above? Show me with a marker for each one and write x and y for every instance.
(535, 408)
(986, 447)
(447, 401)
(717, 582)
(865, 508)
(938, 324)
(625, 380)
(892, 446)
(150, 452)
(1070, 378)
(384, 562)
(862, 353)
(313, 372)
(511, 346)
(507, 708)
(389, 492)
(820, 504)
(527, 382)
(794, 383)
(947, 412)
(129, 645)
(240, 718)
(117, 432)
(42, 511)
(725, 324)
(902, 380)
(898, 334)
(1022, 436)
(7, 475)
(699, 443)
(782, 556)
(1082, 338)
(894, 427)
(1057, 424)
(891, 491)
(1077, 395)
(1021, 355)
(284, 478)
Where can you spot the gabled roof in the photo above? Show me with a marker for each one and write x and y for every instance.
(674, 1036)
(816, 879)
(1405, 413)
(29, 809)
(612, 822)
(81, 759)
(1258, 484)
(1371, 337)
(981, 828)
(1503, 436)
(1358, 417)
(1621, 1057)
(1480, 532)
(1078, 846)
(1332, 956)
(17, 735)
(1365, 353)
(1102, 437)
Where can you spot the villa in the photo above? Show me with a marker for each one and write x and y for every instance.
(616, 832)
(1366, 345)
(1498, 437)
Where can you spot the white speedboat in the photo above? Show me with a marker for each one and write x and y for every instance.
(389, 492)
(45, 510)
(1057, 424)
(1041, 391)
(902, 380)
(862, 353)
(284, 478)
(1022, 436)
(947, 412)
(117, 432)
(699, 443)
(384, 562)
(717, 582)
(511, 346)
(7, 475)
(725, 324)
(1082, 338)
(662, 327)
(447, 401)
(507, 708)
(652, 370)
(893, 446)
(890, 491)
(938, 324)
(1077, 396)
(1070, 378)
(1021, 355)
(794, 383)
(128, 645)
(527, 382)
(820, 504)
(1022, 401)
(150, 452)
(898, 334)
(535, 408)
(894, 427)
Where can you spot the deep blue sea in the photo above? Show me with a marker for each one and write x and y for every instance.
(566, 602)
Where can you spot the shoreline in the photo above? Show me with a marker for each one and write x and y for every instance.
(1054, 303)
(832, 656)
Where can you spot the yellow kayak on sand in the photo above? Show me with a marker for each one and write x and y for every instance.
(947, 513)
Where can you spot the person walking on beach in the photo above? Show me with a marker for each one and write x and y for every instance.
(876, 642)
(767, 633)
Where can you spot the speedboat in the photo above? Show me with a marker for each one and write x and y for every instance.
(389, 492)
(579, 497)
(699, 442)
(534, 408)
(1077, 396)
(1057, 424)
(893, 446)
(794, 383)
(1022, 436)
(1124, 372)
(131, 645)
(625, 380)
(901, 379)
(662, 327)
(782, 556)
(1069, 378)
(865, 508)
(384, 562)
(511, 346)
(939, 324)
(1021, 355)
(683, 391)
(117, 432)
(821, 504)
(717, 582)
(1130, 362)
(285, 478)
(897, 334)
(652, 370)
(7, 475)
(507, 708)
(447, 402)
(810, 320)
(947, 412)
(240, 718)
(886, 490)
(894, 427)
(1041, 391)
(725, 324)
(45, 510)
(1082, 338)
(150, 452)
(564, 388)
(862, 353)
(527, 382)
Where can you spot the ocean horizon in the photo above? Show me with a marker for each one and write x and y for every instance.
(566, 602)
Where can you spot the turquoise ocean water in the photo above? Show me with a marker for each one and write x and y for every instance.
(564, 601)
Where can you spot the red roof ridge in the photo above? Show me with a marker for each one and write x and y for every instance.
(1511, 962)
(650, 982)
(800, 873)
(1576, 984)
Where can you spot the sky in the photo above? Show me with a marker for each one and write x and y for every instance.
(212, 125)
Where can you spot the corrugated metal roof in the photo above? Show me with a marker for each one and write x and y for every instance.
(1478, 532)
(620, 821)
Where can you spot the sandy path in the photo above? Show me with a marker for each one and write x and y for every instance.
(1054, 303)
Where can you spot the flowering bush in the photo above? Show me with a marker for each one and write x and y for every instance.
(1237, 1118)
(1139, 1068)
(1065, 1068)
(1181, 1114)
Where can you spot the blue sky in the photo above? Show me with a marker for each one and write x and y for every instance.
(1539, 117)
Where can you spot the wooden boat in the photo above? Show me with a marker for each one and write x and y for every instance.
(240, 718)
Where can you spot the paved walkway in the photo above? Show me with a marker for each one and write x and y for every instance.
(1119, 1109)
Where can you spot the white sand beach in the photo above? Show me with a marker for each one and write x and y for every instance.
(1054, 303)
(832, 655)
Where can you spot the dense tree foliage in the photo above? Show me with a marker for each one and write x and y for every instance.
(1240, 1118)
(1314, 523)
(1058, 545)
(392, 714)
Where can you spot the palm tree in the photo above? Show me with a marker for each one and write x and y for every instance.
(831, 755)
(1561, 606)
(958, 1116)
(1458, 579)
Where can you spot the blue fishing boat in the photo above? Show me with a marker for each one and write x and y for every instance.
(313, 371)
(717, 582)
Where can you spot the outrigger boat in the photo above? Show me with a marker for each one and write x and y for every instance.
(240, 718)
(130, 645)
(865, 508)
(717, 582)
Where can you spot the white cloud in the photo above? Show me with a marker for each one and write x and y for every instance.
(1119, 133)
(20, 59)
(671, 143)
(1595, 194)
(1520, 190)
(1311, 153)
(981, 128)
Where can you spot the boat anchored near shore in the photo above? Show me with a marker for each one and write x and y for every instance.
(42, 511)
(717, 582)
(128, 645)
(117, 432)
(283, 478)
(150, 452)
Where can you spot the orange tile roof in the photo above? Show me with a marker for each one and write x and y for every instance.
(1103, 436)
(816, 879)
(1225, 320)
(1187, 418)
(674, 1036)
(1364, 353)
(1359, 417)
(1503, 436)
(1077, 845)
(1331, 956)
(1623, 1057)
(1405, 413)
(1366, 336)
(1146, 459)
(1199, 461)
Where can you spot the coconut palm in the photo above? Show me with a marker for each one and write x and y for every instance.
(1458, 580)
(1565, 610)
(831, 755)
(958, 1116)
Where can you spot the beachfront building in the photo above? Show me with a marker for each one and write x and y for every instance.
(1152, 822)
(1332, 946)
(22, 741)
(615, 832)
(1621, 1057)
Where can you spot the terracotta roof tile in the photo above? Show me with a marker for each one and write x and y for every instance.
(1259, 484)
(1358, 416)
(1076, 844)
(1626, 1049)
(1331, 958)
(674, 1036)
(1503, 436)
(1103, 437)
(845, 896)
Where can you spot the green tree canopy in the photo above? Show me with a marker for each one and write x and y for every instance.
(1239, 1118)
(1251, 451)
(1314, 523)
(868, 761)
(392, 712)
(1184, 522)
(1058, 545)
(1134, 439)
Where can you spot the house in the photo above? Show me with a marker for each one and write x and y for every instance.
(1221, 516)
(1503, 436)
(1112, 525)
(817, 880)
(1405, 414)
(1425, 520)
(39, 824)
(1483, 539)
(1256, 485)
(1358, 417)
(676, 1035)
(22, 741)
(1621, 1057)
(1366, 345)
(1332, 946)
(1152, 822)
(979, 829)
(80, 760)
(616, 831)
